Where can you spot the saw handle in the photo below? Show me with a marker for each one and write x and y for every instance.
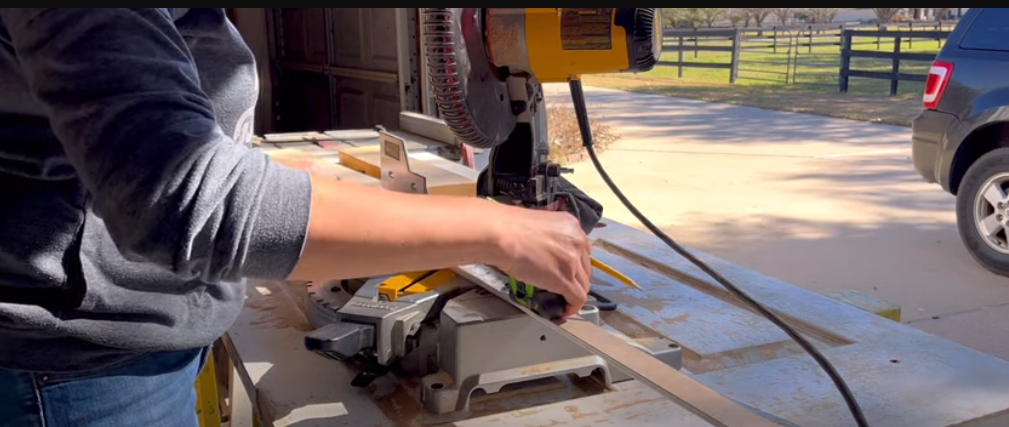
(544, 303)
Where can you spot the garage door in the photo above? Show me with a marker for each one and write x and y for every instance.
(337, 68)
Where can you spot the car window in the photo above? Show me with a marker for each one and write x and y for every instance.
(989, 31)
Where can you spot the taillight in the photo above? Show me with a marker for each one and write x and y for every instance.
(935, 84)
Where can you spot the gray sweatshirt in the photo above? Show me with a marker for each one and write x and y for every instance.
(132, 206)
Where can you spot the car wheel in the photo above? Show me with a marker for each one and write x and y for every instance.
(982, 211)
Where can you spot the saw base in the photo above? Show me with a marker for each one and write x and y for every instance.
(482, 345)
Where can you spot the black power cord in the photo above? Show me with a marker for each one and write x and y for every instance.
(581, 112)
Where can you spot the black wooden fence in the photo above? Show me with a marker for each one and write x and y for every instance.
(805, 55)
(703, 40)
(894, 75)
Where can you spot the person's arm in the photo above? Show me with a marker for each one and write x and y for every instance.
(123, 97)
(368, 231)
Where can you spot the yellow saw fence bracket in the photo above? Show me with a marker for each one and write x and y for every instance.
(207, 402)
(414, 283)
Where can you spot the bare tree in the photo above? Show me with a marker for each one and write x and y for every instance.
(822, 15)
(885, 15)
(736, 16)
(694, 16)
(709, 15)
(758, 14)
(784, 14)
(672, 17)
(677, 17)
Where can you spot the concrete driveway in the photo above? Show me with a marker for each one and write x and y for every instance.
(826, 204)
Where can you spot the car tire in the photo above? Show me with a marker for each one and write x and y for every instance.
(989, 172)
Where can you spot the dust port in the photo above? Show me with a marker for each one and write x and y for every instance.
(437, 386)
(674, 345)
(543, 337)
(894, 361)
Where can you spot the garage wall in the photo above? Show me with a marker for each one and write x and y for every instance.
(334, 68)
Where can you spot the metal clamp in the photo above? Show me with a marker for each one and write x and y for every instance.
(395, 164)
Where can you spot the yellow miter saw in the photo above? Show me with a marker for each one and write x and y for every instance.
(486, 68)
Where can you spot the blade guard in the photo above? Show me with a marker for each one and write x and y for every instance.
(471, 98)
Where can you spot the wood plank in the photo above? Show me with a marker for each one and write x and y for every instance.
(365, 160)
(443, 176)
(708, 323)
(322, 162)
(631, 404)
(692, 395)
(892, 394)
(291, 386)
(293, 137)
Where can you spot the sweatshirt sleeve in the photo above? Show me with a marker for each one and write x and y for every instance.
(123, 97)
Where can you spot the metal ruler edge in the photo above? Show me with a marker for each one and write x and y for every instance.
(698, 398)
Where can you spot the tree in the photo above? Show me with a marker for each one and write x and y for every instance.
(885, 15)
(736, 16)
(708, 15)
(784, 14)
(822, 15)
(758, 14)
(671, 17)
(940, 13)
(682, 17)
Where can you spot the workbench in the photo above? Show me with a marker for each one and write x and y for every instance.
(901, 376)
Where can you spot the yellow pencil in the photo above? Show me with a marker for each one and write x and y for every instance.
(616, 274)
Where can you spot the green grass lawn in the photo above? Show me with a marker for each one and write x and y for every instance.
(792, 78)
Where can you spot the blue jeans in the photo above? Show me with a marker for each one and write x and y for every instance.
(155, 391)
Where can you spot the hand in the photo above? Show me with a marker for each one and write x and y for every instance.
(550, 251)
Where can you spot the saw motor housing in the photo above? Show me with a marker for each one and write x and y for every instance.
(558, 44)
(487, 66)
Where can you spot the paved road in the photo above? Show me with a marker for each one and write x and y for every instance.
(827, 204)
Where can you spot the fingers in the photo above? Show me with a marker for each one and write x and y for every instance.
(579, 291)
(587, 263)
(586, 283)
(576, 300)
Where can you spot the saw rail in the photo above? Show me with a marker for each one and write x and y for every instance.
(701, 400)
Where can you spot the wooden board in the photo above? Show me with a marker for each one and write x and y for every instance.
(443, 176)
(366, 160)
(631, 404)
(292, 387)
(323, 162)
(901, 376)
(674, 385)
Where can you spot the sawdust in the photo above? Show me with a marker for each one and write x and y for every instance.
(566, 138)
(275, 311)
(576, 414)
(621, 406)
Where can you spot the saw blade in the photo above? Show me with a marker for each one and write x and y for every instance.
(472, 99)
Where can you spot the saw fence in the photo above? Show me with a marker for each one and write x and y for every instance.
(734, 368)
